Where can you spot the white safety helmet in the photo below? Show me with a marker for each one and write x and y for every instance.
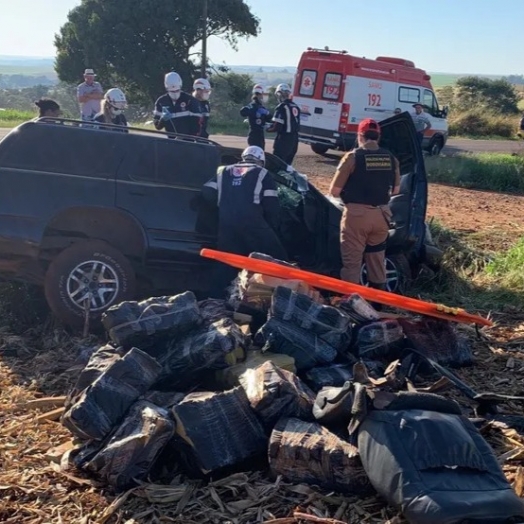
(116, 100)
(259, 89)
(254, 154)
(282, 92)
(202, 87)
(283, 88)
(202, 83)
(173, 85)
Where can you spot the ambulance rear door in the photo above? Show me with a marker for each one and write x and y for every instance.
(320, 101)
(369, 98)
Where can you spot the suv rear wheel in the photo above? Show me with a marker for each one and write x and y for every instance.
(90, 271)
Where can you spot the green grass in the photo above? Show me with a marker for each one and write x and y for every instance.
(13, 117)
(488, 171)
(472, 277)
(508, 267)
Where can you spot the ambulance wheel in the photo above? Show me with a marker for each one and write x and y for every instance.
(398, 274)
(435, 147)
(319, 149)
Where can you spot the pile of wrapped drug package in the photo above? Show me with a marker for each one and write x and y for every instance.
(318, 390)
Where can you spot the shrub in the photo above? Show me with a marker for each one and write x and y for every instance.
(481, 124)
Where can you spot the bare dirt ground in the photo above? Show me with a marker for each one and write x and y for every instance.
(497, 218)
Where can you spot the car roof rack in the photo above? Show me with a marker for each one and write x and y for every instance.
(97, 126)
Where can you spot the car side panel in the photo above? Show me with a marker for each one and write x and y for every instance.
(177, 223)
(38, 180)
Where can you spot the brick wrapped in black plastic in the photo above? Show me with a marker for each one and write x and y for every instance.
(148, 323)
(130, 452)
(308, 350)
(329, 323)
(95, 411)
(209, 348)
(217, 430)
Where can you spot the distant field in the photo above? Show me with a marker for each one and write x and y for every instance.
(42, 70)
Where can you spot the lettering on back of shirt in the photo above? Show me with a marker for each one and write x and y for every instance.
(378, 163)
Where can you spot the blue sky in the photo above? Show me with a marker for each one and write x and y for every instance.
(455, 36)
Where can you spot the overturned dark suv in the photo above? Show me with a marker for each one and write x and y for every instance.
(97, 217)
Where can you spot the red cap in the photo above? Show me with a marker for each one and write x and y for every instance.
(368, 125)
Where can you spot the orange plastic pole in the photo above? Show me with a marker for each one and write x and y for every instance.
(339, 286)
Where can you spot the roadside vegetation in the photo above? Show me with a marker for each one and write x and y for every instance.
(482, 107)
(502, 172)
(474, 277)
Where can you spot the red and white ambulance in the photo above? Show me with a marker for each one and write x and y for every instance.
(335, 91)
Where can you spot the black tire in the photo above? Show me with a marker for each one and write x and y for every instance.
(319, 149)
(63, 285)
(435, 146)
(398, 273)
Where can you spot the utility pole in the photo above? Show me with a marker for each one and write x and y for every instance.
(204, 42)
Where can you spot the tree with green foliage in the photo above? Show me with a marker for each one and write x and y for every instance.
(133, 43)
(496, 96)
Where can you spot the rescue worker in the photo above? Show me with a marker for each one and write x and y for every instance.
(177, 111)
(286, 123)
(258, 116)
(365, 179)
(248, 210)
(113, 106)
(202, 92)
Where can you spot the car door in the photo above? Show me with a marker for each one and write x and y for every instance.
(160, 184)
(409, 206)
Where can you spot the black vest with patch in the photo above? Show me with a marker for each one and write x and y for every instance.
(372, 178)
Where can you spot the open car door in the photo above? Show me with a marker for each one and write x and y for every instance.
(409, 206)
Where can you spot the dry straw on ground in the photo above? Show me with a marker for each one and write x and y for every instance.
(34, 489)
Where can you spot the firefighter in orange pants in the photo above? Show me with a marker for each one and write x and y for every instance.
(365, 180)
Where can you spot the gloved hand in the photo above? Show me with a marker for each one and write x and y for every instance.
(166, 115)
(246, 121)
(268, 126)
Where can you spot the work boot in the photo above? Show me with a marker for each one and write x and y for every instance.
(380, 287)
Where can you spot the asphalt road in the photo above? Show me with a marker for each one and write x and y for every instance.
(454, 145)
